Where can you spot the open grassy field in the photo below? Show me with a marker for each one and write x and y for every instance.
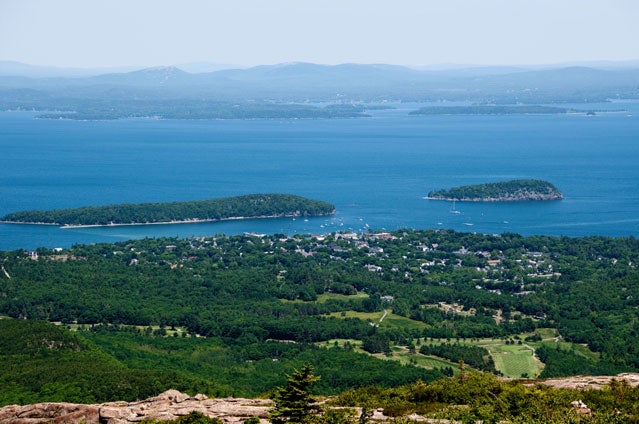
(170, 331)
(384, 319)
(322, 298)
(578, 349)
(515, 360)
(366, 316)
(547, 333)
(512, 360)
(398, 321)
(399, 353)
(341, 343)
(428, 362)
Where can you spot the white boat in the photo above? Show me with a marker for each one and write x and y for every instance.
(453, 210)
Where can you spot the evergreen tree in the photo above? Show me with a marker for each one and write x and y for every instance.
(294, 402)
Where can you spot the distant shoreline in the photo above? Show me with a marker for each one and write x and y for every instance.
(492, 110)
(491, 199)
(30, 223)
(183, 221)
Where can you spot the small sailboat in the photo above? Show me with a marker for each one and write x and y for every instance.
(453, 210)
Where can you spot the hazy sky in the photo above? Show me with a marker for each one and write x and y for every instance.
(91, 33)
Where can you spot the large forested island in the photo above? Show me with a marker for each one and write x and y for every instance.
(198, 109)
(248, 206)
(505, 191)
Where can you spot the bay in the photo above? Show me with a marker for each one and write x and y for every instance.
(375, 170)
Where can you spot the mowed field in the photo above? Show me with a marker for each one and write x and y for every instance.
(383, 319)
(514, 360)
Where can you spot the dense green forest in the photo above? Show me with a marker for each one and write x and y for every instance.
(107, 363)
(515, 190)
(231, 315)
(248, 206)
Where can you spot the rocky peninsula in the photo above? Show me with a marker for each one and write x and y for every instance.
(505, 191)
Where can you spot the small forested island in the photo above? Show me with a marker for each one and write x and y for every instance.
(505, 191)
(495, 110)
(248, 206)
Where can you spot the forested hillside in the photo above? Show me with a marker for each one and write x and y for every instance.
(539, 305)
(42, 362)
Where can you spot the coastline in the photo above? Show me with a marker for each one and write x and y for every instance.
(183, 221)
(496, 199)
(28, 223)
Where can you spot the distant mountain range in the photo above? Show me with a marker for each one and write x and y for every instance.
(12, 68)
(25, 86)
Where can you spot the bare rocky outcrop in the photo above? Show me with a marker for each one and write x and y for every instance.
(166, 406)
(169, 405)
(56, 413)
(590, 382)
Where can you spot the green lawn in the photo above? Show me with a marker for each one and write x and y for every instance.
(169, 331)
(399, 354)
(322, 298)
(428, 362)
(398, 321)
(340, 343)
(390, 320)
(547, 333)
(514, 360)
(365, 316)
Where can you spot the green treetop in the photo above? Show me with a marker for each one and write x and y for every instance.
(294, 402)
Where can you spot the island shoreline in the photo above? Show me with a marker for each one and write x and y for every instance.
(489, 200)
(176, 222)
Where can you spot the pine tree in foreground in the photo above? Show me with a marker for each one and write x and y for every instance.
(294, 402)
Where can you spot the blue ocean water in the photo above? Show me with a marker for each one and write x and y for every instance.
(375, 170)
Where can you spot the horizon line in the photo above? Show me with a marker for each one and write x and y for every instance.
(433, 66)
